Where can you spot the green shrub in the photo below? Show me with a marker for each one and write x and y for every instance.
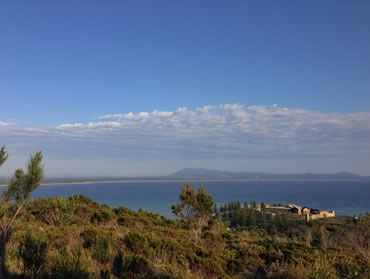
(70, 267)
(32, 253)
(89, 236)
(322, 268)
(84, 212)
(136, 242)
(349, 267)
(102, 216)
(136, 264)
(118, 268)
(154, 247)
(101, 250)
(317, 238)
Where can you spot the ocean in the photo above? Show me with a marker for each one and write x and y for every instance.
(345, 197)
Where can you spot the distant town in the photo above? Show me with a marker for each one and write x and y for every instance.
(307, 212)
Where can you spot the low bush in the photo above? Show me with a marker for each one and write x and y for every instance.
(93, 241)
(32, 253)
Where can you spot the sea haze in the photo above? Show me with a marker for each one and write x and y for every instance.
(345, 197)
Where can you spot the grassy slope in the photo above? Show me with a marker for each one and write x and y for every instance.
(86, 237)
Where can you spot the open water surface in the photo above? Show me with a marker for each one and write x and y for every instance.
(345, 197)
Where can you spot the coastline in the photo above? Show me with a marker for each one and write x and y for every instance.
(133, 180)
(47, 183)
(158, 195)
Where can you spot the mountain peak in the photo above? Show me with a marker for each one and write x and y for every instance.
(203, 173)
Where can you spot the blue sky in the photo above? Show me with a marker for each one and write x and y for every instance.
(72, 71)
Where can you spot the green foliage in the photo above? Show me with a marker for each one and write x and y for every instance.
(194, 205)
(70, 266)
(349, 267)
(263, 206)
(67, 208)
(102, 216)
(132, 266)
(237, 242)
(136, 264)
(32, 253)
(231, 241)
(101, 250)
(137, 242)
(117, 268)
(18, 191)
(3, 155)
(55, 211)
(249, 218)
(89, 236)
(317, 237)
(194, 209)
(22, 184)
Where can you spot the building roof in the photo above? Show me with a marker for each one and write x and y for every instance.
(294, 206)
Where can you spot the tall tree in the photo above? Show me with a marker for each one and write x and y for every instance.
(263, 206)
(3, 155)
(194, 208)
(18, 191)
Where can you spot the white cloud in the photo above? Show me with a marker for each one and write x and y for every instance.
(109, 124)
(223, 131)
(3, 123)
(66, 126)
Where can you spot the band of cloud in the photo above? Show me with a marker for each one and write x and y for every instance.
(229, 130)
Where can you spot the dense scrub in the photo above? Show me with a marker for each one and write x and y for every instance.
(79, 238)
(274, 222)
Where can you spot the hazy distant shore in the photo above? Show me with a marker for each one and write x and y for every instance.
(201, 174)
(183, 180)
(74, 182)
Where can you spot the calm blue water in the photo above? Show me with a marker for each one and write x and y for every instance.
(346, 198)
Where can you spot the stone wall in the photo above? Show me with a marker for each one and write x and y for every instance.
(323, 214)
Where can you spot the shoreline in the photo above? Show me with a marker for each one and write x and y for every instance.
(51, 183)
(47, 183)
(96, 190)
(199, 180)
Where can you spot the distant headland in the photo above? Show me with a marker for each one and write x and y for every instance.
(188, 174)
(202, 173)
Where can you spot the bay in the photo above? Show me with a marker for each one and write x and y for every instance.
(345, 197)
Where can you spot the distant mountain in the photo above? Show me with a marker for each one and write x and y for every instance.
(192, 173)
(204, 174)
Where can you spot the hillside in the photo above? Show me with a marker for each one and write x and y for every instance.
(202, 173)
(87, 240)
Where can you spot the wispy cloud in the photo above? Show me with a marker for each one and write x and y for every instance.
(224, 131)
(3, 123)
(236, 128)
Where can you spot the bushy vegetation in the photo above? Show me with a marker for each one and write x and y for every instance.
(32, 253)
(258, 218)
(76, 237)
(129, 244)
(13, 200)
